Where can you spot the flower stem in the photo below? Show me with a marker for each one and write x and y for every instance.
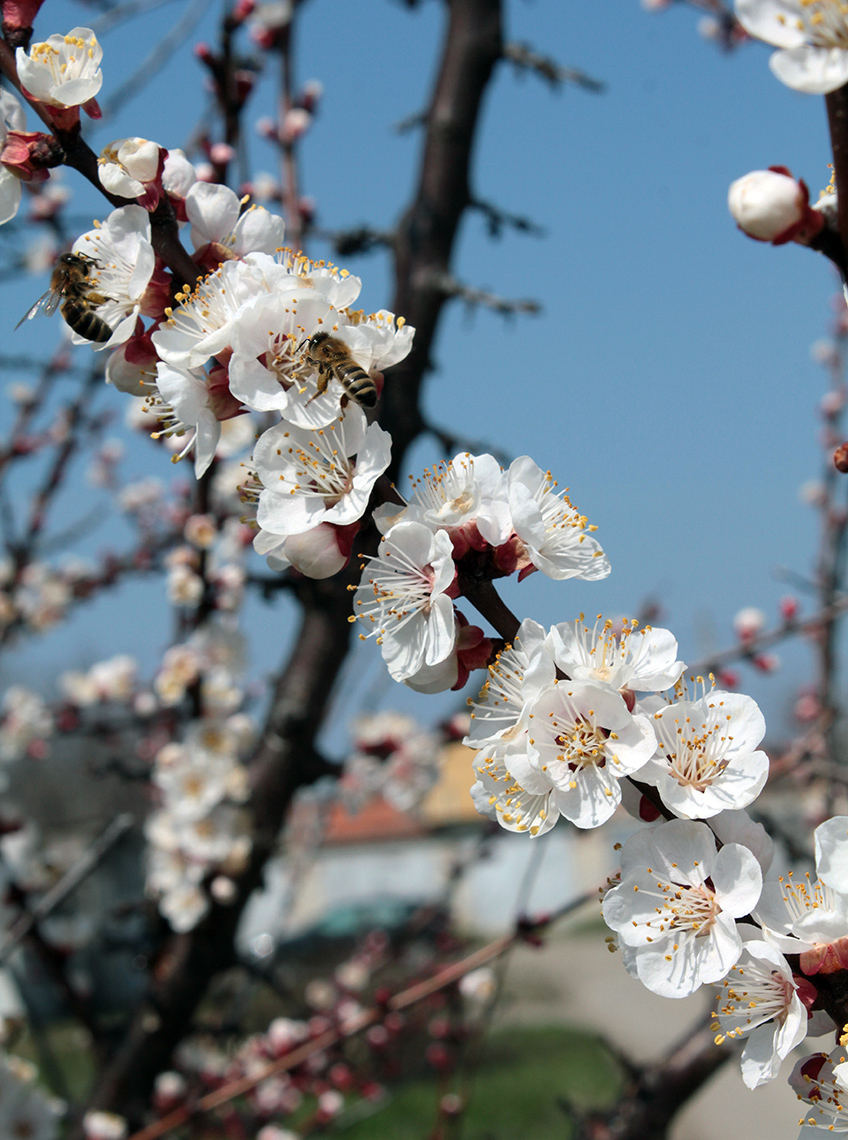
(485, 598)
(837, 121)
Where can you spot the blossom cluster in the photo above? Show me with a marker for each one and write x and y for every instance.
(464, 515)
(393, 757)
(200, 829)
(573, 721)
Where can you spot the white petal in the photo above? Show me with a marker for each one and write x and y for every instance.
(813, 70)
(775, 21)
(832, 852)
(213, 211)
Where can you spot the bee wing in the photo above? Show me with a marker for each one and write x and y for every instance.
(47, 303)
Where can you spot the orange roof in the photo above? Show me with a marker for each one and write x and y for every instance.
(377, 821)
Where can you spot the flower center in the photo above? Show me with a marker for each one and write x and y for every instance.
(582, 744)
(824, 22)
(696, 756)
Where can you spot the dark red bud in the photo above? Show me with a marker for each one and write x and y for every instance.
(840, 458)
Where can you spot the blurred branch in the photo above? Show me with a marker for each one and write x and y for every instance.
(497, 220)
(65, 887)
(451, 287)
(411, 122)
(121, 12)
(752, 645)
(405, 998)
(359, 239)
(655, 1093)
(524, 58)
(283, 759)
(155, 60)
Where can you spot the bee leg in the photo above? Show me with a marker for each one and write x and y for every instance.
(323, 380)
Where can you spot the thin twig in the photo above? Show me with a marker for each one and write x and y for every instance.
(751, 646)
(447, 284)
(498, 219)
(155, 60)
(523, 56)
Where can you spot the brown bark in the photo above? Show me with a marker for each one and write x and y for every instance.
(657, 1092)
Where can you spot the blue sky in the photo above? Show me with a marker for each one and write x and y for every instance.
(668, 380)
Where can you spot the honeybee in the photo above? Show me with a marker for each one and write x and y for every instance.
(334, 359)
(71, 290)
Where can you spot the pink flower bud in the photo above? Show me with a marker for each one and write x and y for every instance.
(221, 153)
(19, 15)
(748, 623)
(771, 205)
(241, 10)
(28, 154)
(789, 607)
(266, 128)
(312, 92)
(807, 708)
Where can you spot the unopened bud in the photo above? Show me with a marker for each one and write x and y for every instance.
(771, 205)
(832, 403)
(221, 153)
(788, 607)
(840, 458)
(748, 622)
(241, 10)
(296, 123)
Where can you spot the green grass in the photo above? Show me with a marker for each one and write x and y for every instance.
(522, 1074)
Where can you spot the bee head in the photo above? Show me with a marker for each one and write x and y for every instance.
(314, 341)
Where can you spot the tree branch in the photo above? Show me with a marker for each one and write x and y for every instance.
(449, 285)
(524, 58)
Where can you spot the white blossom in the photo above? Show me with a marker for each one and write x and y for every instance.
(707, 758)
(323, 476)
(124, 265)
(63, 71)
(812, 36)
(518, 675)
(675, 908)
(759, 1000)
(643, 660)
(12, 116)
(215, 215)
(183, 406)
(125, 166)
(819, 1082)
(468, 489)
(402, 598)
(553, 533)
